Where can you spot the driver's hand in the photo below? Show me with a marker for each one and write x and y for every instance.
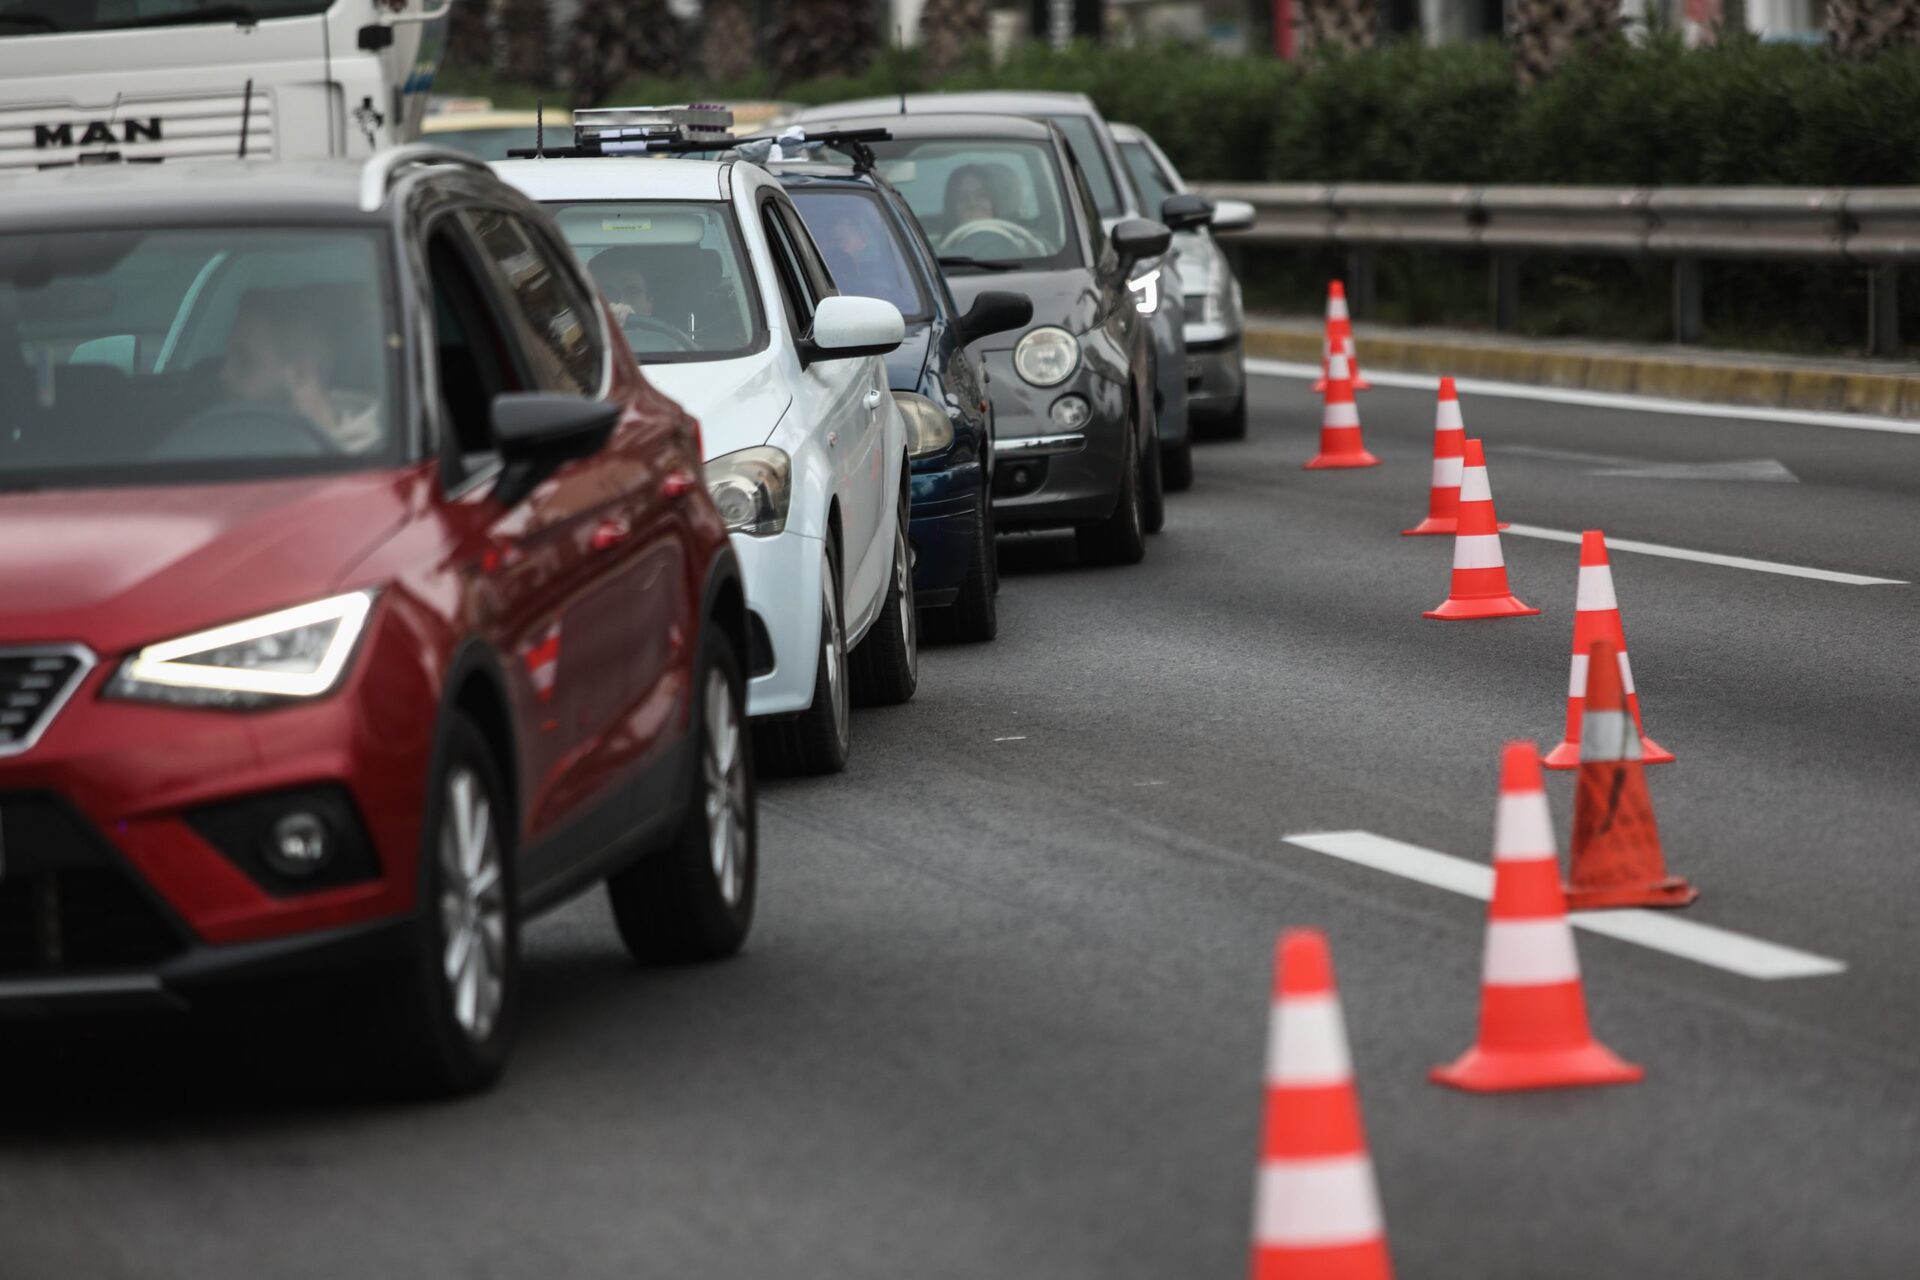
(621, 312)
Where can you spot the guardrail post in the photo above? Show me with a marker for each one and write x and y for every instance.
(1506, 292)
(1883, 310)
(1362, 285)
(1687, 321)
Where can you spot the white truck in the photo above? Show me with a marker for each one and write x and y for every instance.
(84, 81)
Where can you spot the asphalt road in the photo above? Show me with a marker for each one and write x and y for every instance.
(1005, 1010)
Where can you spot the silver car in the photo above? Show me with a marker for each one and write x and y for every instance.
(1216, 363)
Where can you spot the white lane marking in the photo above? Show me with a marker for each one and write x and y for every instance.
(1606, 399)
(1709, 557)
(1688, 939)
(1018, 737)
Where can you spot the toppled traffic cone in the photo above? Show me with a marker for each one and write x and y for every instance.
(1316, 1211)
(1533, 1011)
(1339, 339)
(1596, 616)
(1616, 846)
(1479, 587)
(1340, 443)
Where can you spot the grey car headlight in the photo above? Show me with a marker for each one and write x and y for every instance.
(293, 653)
(1047, 356)
(752, 488)
(929, 429)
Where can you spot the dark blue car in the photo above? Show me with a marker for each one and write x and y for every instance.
(875, 248)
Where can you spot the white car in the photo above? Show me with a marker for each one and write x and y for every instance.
(726, 302)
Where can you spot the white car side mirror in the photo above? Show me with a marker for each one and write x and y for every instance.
(1232, 215)
(845, 327)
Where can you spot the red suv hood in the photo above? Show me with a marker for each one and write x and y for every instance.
(118, 568)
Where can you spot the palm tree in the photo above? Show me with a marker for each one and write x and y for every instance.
(726, 41)
(1545, 32)
(523, 40)
(1862, 28)
(1347, 25)
(613, 39)
(823, 37)
(948, 28)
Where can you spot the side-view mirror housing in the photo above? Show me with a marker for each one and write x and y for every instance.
(1185, 212)
(538, 431)
(845, 327)
(994, 311)
(1138, 239)
(1233, 215)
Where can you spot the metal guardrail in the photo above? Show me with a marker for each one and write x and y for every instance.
(1877, 228)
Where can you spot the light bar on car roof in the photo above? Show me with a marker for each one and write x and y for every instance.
(623, 130)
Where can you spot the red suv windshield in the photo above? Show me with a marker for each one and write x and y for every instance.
(190, 355)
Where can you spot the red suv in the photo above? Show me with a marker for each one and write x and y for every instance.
(358, 598)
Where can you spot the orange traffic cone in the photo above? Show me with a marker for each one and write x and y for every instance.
(1316, 1212)
(1533, 1011)
(1479, 587)
(1340, 443)
(1597, 614)
(1616, 846)
(1339, 339)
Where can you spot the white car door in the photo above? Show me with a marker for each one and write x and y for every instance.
(848, 396)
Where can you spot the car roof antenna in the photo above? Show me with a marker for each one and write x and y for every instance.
(900, 49)
(246, 116)
(539, 128)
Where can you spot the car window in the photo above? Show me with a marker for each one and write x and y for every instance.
(794, 288)
(820, 282)
(493, 142)
(674, 274)
(993, 200)
(1084, 137)
(863, 250)
(1148, 178)
(551, 320)
(474, 360)
(155, 356)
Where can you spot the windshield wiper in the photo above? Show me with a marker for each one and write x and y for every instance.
(238, 13)
(28, 18)
(980, 264)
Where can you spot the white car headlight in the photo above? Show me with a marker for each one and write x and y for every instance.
(929, 429)
(1146, 292)
(1047, 356)
(752, 488)
(294, 653)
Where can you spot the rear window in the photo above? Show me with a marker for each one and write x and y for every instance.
(150, 356)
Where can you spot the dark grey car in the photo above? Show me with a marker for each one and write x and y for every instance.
(1006, 207)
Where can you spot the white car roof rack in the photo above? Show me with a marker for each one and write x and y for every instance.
(385, 168)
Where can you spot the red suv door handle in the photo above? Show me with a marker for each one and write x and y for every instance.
(679, 481)
(610, 533)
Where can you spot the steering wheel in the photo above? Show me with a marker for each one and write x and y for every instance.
(665, 328)
(1023, 240)
(241, 431)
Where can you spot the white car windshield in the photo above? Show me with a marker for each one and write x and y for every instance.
(674, 274)
(985, 202)
(135, 356)
(40, 17)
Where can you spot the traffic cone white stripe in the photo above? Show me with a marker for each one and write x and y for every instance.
(1446, 473)
(1577, 682)
(1307, 1043)
(1474, 486)
(1477, 551)
(1523, 829)
(1529, 953)
(1608, 735)
(1337, 307)
(1321, 1203)
(1447, 416)
(1341, 414)
(1595, 591)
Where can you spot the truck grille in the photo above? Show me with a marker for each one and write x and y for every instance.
(66, 903)
(142, 127)
(33, 685)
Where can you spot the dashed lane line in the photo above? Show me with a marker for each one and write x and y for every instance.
(1607, 399)
(1708, 557)
(1660, 931)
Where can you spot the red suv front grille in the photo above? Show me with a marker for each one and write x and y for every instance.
(67, 905)
(33, 684)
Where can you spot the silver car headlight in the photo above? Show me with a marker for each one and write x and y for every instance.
(1146, 292)
(294, 653)
(753, 488)
(1047, 356)
(929, 429)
